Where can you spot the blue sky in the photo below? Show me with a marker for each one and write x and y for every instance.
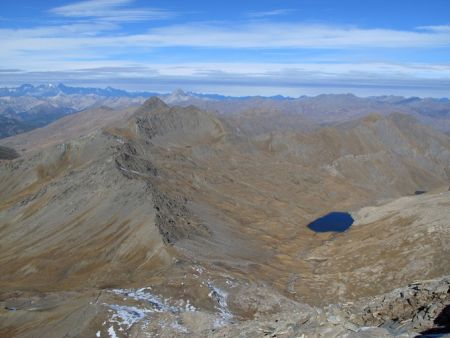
(231, 47)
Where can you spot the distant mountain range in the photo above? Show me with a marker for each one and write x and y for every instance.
(177, 96)
(50, 90)
(27, 107)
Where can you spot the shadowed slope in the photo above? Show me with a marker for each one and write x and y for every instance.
(177, 199)
(8, 153)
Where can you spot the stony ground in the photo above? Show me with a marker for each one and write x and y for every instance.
(169, 222)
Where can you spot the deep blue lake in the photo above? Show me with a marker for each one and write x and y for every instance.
(332, 222)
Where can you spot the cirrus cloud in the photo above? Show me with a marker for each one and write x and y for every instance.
(91, 43)
(111, 11)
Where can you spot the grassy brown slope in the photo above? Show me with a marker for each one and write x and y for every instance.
(67, 128)
(167, 192)
(264, 193)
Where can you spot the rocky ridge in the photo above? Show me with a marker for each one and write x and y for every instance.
(139, 226)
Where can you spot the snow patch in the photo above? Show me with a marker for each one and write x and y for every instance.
(127, 316)
(220, 296)
(157, 303)
(124, 317)
(112, 333)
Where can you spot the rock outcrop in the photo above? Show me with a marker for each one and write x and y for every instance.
(8, 153)
(167, 221)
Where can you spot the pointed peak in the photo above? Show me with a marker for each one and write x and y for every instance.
(179, 92)
(154, 103)
(150, 105)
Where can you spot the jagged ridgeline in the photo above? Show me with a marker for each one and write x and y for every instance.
(28, 107)
(166, 221)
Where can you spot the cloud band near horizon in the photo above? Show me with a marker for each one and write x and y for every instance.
(93, 37)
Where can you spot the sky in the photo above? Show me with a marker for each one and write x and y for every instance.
(292, 48)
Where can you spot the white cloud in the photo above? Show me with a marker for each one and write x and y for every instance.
(111, 11)
(219, 35)
(250, 78)
(92, 46)
(289, 35)
(67, 31)
(439, 29)
(81, 38)
(262, 71)
(275, 12)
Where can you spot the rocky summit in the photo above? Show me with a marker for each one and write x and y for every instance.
(170, 221)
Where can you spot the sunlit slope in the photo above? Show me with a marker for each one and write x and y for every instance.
(115, 205)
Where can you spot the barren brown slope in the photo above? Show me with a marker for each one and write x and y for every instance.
(326, 108)
(177, 200)
(67, 128)
(86, 209)
(387, 156)
(249, 191)
(263, 190)
(70, 219)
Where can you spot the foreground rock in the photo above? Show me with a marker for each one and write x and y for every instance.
(234, 310)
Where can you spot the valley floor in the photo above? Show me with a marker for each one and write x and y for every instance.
(169, 221)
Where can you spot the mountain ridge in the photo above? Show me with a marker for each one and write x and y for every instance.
(28, 107)
(55, 89)
(168, 214)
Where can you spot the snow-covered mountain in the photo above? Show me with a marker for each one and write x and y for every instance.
(50, 90)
